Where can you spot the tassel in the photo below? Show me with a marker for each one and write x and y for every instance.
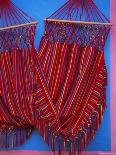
(74, 145)
(21, 137)
(88, 135)
(28, 132)
(17, 138)
(81, 144)
(3, 141)
(60, 147)
(6, 140)
(71, 149)
(98, 118)
(12, 140)
(64, 147)
(0, 140)
(78, 147)
(45, 137)
(48, 138)
(40, 126)
(54, 144)
(85, 139)
(101, 113)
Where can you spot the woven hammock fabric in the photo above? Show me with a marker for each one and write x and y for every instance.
(72, 60)
(76, 77)
(19, 86)
(17, 80)
(23, 90)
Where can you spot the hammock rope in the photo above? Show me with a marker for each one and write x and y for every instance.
(71, 55)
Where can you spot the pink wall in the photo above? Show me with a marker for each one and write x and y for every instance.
(113, 74)
(50, 153)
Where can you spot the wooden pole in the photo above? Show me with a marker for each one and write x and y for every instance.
(16, 26)
(77, 22)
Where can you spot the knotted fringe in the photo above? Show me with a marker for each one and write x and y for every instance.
(14, 138)
(74, 145)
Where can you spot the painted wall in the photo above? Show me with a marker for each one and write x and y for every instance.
(40, 9)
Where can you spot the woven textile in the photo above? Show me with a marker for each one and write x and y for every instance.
(16, 75)
(72, 59)
(61, 88)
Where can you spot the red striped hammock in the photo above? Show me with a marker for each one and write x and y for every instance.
(17, 80)
(71, 55)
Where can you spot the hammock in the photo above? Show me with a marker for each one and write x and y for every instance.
(17, 80)
(71, 55)
(23, 90)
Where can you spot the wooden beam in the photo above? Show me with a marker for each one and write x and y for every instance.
(16, 26)
(77, 22)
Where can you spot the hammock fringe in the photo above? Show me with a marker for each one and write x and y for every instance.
(77, 144)
(14, 139)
